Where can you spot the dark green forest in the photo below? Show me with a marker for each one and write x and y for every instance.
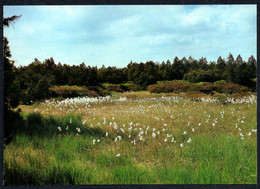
(34, 80)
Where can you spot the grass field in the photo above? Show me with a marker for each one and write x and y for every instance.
(135, 138)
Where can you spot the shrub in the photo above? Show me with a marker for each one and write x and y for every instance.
(100, 90)
(37, 89)
(114, 87)
(229, 88)
(174, 86)
(203, 87)
(72, 91)
(122, 87)
(132, 87)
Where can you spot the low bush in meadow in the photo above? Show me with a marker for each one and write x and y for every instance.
(116, 88)
(177, 86)
(174, 86)
(72, 91)
(129, 86)
(229, 88)
(132, 87)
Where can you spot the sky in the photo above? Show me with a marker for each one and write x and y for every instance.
(115, 35)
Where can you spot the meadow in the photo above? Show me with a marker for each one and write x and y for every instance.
(135, 138)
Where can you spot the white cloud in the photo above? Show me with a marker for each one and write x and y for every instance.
(114, 35)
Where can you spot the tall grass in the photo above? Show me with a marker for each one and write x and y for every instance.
(41, 153)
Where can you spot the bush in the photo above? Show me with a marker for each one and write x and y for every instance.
(100, 90)
(72, 91)
(135, 87)
(229, 88)
(114, 87)
(130, 86)
(203, 87)
(122, 87)
(37, 89)
(174, 86)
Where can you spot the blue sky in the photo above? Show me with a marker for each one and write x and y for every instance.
(115, 35)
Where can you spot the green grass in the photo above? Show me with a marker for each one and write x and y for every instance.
(40, 154)
(72, 160)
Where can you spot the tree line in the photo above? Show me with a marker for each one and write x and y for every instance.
(34, 79)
